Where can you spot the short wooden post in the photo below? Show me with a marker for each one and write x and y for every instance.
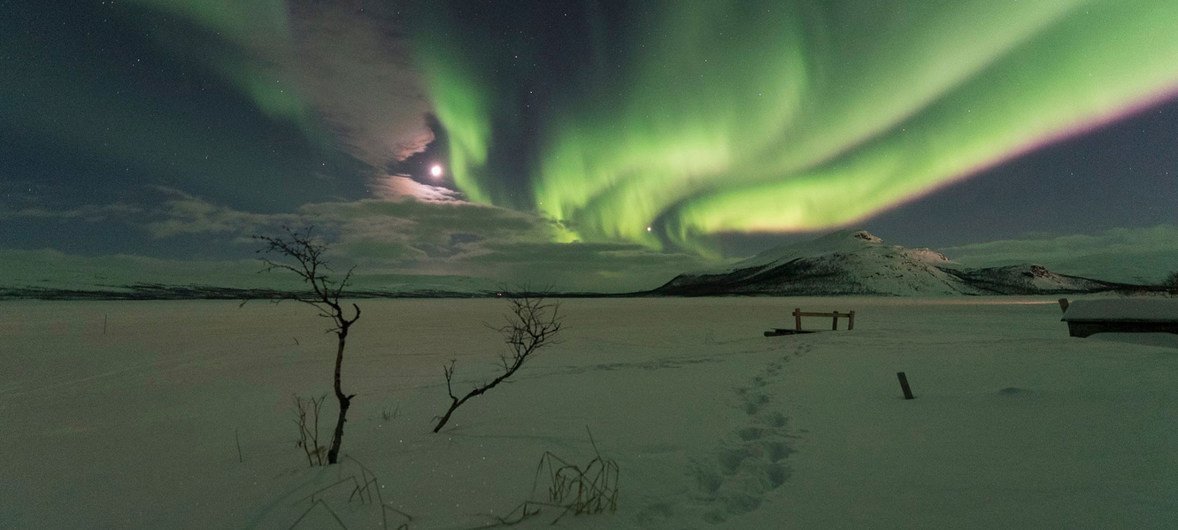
(834, 325)
(798, 318)
(851, 321)
(904, 385)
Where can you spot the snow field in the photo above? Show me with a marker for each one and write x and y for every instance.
(712, 424)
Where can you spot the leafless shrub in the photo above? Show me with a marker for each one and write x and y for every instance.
(307, 418)
(579, 490)
(305, 257)
(365, 490)
(532, 323)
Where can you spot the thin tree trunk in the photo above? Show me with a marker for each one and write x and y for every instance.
(344, 401)
(446, 418)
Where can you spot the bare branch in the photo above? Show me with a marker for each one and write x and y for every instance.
(531, 324)
(448, 371)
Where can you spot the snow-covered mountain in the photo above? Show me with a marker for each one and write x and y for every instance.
(857, 262)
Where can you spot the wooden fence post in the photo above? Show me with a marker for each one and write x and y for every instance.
(904, 385)
(851, 321)
(798, 318)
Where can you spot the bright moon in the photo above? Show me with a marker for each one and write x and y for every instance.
(435, 170)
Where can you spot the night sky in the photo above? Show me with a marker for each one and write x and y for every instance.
(585, 144)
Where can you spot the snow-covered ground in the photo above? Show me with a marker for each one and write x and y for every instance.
(130, 414)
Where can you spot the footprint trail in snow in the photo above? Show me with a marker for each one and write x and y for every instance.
(750, 461)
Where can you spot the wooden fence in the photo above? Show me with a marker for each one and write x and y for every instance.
(833, 315)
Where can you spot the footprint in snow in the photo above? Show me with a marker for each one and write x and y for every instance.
(750, 461)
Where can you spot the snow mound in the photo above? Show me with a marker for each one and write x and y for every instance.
(840, 241)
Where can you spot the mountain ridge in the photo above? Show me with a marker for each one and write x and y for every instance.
(856, 262)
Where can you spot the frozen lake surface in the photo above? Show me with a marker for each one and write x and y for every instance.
(130, 414)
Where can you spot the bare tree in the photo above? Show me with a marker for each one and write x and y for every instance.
(532, 323)
(301, 254)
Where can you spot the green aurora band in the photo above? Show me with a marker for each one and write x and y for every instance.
(778, 116)
(259, 32)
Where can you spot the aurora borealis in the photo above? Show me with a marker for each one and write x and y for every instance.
(581, 143)
(708, 117)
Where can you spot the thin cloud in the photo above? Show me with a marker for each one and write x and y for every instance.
(401, 187)
(353, 60)
(418, 237)
(185, 214)
(90, 213)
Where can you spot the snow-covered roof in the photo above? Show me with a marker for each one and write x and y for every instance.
(1134, 309)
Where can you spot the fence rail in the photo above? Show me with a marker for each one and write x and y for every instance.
(833, 315)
